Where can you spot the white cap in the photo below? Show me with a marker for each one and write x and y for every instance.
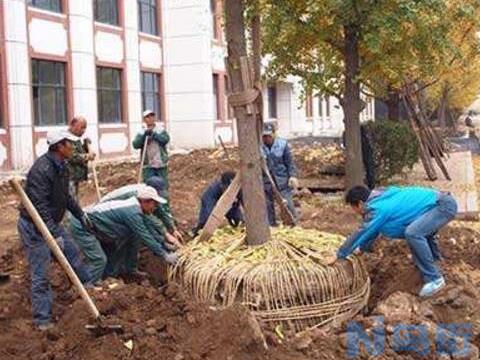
(148, 112)
(55, 136)
(149, 193)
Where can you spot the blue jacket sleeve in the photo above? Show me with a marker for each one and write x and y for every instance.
(288, 160)
(363, 238)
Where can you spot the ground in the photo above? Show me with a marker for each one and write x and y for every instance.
(162, 322)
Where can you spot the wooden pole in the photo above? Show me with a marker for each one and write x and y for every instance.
(142, 161)
(52, 244)
(93, 164)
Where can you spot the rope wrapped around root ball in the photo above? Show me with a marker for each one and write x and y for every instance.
(283, 282)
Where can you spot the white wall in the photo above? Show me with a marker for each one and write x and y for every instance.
(188, 72)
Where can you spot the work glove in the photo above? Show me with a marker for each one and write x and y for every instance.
(60, 242)
(88, 224)
(170, 258)
(148, 132)
(293, 182)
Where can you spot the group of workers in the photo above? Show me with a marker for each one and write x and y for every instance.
(103, 240)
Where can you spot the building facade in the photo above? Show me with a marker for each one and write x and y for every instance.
(108, 60)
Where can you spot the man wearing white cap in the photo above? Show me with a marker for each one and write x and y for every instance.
(119, 229)
(156, 157)
(47, 188)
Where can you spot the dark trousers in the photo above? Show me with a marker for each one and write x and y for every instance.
(39, 258)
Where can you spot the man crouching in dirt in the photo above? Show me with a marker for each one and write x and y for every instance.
(163, 211)
(47, 187)
(119, 227)
(412, 213)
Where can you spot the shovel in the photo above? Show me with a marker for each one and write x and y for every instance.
(142, 161)
(95, 176)
(99, 328)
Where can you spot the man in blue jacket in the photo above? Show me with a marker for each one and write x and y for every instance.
(282, 168)
(412, 213)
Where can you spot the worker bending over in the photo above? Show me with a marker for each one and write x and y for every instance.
(210, 197)
(119, 227)
(412, 213)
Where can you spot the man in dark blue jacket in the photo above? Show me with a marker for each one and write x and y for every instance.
(210, 198)
(47, 187)
(282, 168)
(412, 213)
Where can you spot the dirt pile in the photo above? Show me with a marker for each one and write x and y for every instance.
(163, 323)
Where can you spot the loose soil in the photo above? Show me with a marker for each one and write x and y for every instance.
(162, 322)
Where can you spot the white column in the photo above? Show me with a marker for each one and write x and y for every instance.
(83, 65)
(133, 67)
(188, 72)
(19, 88)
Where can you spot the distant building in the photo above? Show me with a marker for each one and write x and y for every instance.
(108, 60)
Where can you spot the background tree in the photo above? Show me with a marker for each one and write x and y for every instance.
(343, 47)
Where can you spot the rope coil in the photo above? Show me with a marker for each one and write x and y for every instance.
(282, 282)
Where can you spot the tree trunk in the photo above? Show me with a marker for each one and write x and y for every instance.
(258, 230)
(393, 105)
(352, 106)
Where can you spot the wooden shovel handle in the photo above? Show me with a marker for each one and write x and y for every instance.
(144, 152)
(95, 176)
(52, 244)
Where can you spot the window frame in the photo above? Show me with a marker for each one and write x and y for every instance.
(155, 13)
(216, 97)
(61, 5)
(118, 22)
(272, 110)
(36, 89)
(156, 94)
(104, 89)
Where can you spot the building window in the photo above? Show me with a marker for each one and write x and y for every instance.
(109, 95)
(230, 112)
(327, 106)
(151, 92)
(309, 107)
(147, 16)
(51, 5)
(216, 97)
(49, 93)
(320, 106)
(272, 102)
(106, 11)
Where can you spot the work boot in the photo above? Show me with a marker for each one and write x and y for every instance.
(45, 326)
(432, 287)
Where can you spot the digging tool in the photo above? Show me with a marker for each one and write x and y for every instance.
(93, 164)
(99, 327)
(285, 214)
(142, 161)
(227, 155)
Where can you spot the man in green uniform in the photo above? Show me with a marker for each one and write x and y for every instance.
(162, 212)
(119, 229)
(156, 157)
(78, 163)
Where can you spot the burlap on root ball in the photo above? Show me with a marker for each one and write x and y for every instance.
(283, 282)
